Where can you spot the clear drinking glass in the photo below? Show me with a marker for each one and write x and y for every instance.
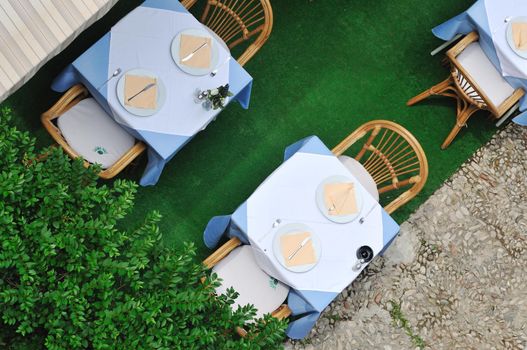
(201, 96)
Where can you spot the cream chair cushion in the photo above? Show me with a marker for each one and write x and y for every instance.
(361, 174)
(484, 74)
(93, 134)
(240, 271)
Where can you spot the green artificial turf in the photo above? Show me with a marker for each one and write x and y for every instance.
(328, 67)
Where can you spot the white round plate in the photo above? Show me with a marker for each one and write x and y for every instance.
(290, 228)
(161, 93)
(510, 40)
(321, 203)
(174, 50)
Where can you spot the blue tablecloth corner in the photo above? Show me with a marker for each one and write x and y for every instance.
(310, 144)
(216, 228)
(521, 119)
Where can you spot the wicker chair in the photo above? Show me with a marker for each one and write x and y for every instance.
(232, 250)
(238, 21)
(391, 156)
(70, 101)
(474, 83)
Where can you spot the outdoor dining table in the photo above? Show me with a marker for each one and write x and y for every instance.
(142, 40)
(491, 18)
(287, 199)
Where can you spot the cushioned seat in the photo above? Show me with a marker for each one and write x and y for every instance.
(240, 271)
(361, 174)
(484, 74)
(92, 133)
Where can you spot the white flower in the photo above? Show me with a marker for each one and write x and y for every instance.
(214, 92)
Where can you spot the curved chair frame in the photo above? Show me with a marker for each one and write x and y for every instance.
(237, 21)
(469, 96)
(73, 96)
(396, 159)
(282, 312)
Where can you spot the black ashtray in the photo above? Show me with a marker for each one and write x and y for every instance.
(365, 253)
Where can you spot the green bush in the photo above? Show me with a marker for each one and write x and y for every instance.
(71, 278)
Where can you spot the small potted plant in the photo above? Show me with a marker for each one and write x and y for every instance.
(215, 98)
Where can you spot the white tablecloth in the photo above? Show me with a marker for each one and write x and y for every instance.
(133, 41)
(289, 194)
(497, 11)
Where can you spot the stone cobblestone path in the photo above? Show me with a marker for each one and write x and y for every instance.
(456, 277)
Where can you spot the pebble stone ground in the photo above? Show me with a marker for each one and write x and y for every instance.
(456, 277)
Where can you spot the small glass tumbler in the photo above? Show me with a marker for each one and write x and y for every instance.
(201, 96)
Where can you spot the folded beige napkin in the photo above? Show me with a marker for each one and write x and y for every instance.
(146, 99)
(202, 57)
(289, 244)
(340, 198)
(519, 34)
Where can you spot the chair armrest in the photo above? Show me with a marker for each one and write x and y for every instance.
(403, 198)
(406, 196)
(354, 137)
(68, 100)
(510, 101)
(251, 49)
(348, 142)
(188, 3)
(122, 162)
(462, 45)
(282, 312)
(222, 252)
